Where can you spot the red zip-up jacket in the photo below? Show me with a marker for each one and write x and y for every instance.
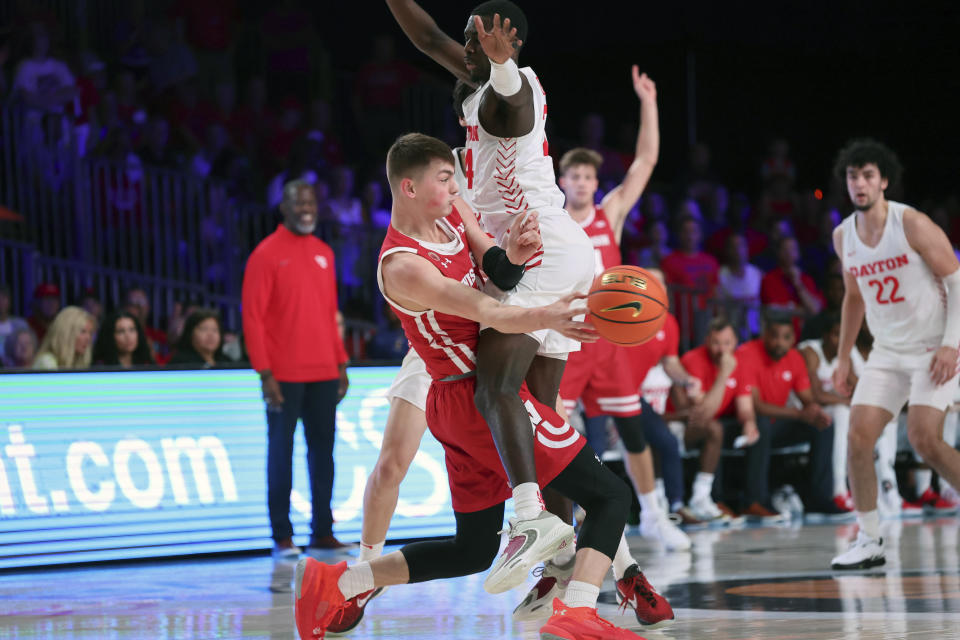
(290, 308)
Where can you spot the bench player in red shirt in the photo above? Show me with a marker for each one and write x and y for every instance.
(429, 276)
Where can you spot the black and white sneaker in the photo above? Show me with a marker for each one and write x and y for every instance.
(864, 552)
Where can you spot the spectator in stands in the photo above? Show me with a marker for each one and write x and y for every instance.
(346, 211)
(136, 301)
(282, 137)
(255, 117)
(209, 26)
(298, 168)
(91, 81)
(655, 229)
(774, 231)
(90, 302)
(378, 94)
(43, 82)
(321, 133)
(698, 181)
(739, 287)
(723, 413)
(171, 58)
(121, 342)
(46, 305)
(156, 150)
(788, 287)
(68, 342)
(290, 40)
(8, 323)
(833, 289)
(19, 349)
(777, 369)
(389, 342)
(201, 341)
(289, 324)
(376, 217)
(692, 276)
(215, 144)
(820, 355)
(593, 133)
(819, 250)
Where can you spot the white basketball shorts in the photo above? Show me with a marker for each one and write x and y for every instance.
(412, 382)
(891, 379)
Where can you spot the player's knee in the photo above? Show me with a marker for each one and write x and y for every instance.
(620, 497)
(859, 443)
(630, 429)
(479, 551)
(923, 442)
(714, 432)
(390, 471)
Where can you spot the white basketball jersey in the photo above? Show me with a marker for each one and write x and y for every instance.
(508, 176)
(463, 184)
(826, 367)
(905, 303)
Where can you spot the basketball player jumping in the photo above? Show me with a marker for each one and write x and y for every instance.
(427, 274)
(510, 172)
(900, 271)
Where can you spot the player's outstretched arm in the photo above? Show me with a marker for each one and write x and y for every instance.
(506, 107)
(414, 283)
(929, 240)
(428, 37)
(851, 318)
(620, 200)
(522, 240)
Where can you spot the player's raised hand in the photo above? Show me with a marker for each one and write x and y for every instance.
(944, 365)
(523, 238)
(500, 42)
(560, 315)
(645, 87)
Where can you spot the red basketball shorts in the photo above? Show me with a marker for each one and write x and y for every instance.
(601, 376)
(474, 469)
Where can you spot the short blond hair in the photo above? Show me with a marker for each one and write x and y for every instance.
(61, 338)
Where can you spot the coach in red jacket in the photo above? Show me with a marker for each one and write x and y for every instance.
(290, 327)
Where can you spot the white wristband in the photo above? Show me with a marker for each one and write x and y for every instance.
(951, 331)
(505, 78)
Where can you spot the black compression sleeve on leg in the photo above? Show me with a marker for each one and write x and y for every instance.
(604, 496)
(470, 551)
(498, 268)
(631, 432)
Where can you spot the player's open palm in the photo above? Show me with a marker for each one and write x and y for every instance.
(645, 87)
(500, 42)
(560, 316)
(523, 238)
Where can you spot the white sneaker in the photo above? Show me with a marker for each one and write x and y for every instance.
(663, 529)
(286, 551)
(531, 542)
(707, 510)
(864, 552)
(538, 603)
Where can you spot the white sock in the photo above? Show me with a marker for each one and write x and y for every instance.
(527, 501)
(356, 580)
(649, 509)
(581, 594)
(622, 560)
(869, 523)
(370, 552)
(922, 477)
(702, 486)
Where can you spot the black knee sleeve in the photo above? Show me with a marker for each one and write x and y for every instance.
(631, 432)
(604, 496)
(470, 551)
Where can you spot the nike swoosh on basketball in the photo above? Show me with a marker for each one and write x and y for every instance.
(636, 305)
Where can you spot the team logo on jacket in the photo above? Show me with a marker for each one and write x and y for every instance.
(788, 376)
(320, 260)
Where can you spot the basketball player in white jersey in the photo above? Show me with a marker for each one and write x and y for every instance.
(900, 271)
(509, 173)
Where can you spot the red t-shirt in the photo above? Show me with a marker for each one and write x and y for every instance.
(646, 356)
(290, 308)
(775, 379)
(698, 364)
(776, 288)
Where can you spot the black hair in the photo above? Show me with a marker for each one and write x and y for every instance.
(830, 320)
(461, 91)
(774, 316)
(105, 348)
(863, 151)
(185, 343)
(506, 9)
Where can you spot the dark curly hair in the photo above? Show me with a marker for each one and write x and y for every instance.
(863, 151)
(105, 348)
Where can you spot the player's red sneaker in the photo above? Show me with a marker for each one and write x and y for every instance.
(933, 501)
(635, 592)
(581, 623)
(318, 600)
(352, 612)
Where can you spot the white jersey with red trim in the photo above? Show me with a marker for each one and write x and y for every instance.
(446, 343)
(463, 184)
(508, 176)
(606, 251)
(905, 302)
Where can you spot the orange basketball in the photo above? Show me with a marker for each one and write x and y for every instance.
(628, 305)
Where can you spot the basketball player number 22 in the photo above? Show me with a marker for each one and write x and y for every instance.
(882, 288)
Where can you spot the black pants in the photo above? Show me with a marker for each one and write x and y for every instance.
(604, 496)
(316, 404)
(818, 492)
